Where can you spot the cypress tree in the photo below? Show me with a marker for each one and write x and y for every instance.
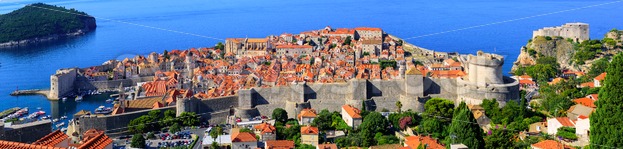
(607, 120)
(464, 129)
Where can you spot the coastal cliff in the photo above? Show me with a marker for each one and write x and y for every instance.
(560, 48)
(570, 55)
(42, 22)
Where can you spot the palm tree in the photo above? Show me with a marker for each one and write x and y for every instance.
(399, 105)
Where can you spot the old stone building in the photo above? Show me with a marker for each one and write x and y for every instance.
(576, 31)
(248, 47)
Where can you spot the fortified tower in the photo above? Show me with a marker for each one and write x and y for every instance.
(485, 68)
(413, 97)
(62, 83)
(576, 31)
(485, 80)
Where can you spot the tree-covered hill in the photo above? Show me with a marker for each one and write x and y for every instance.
(42, 20)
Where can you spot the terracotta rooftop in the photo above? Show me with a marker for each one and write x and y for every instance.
(565, 121)
(243, 137)
(430, 143)
(352, 111)
(265, 128)
(327, 146)
(550, 144)
(279, 144)
(307, 113)
(309, 130)
(601, 76)
(52, 139)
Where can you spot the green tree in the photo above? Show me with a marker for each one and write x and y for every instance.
(499, 138)
(215, 132)
(347, 41)
(280, 115)
(436, 117)
(324, 120)
(138, 141)
(567, 133)
(399, 106)
(605, 122)
(189, 118)
(373, 123)
(165, 54)
(175, 128)
(599, 66)
(169, 118)
(464, 128)
(215, 146)
(219, 46)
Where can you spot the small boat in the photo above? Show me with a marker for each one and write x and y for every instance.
(78, 98)
(38, 108)
(60, 124)
(109, 100)
(63, 117)
(45, 117)
(64, 129)
(64, 99)
(103, 110)
(55, 120)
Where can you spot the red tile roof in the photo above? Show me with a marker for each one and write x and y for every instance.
(368, 28)
(601, 76)
(327, 146)
(585, 101)
(265, 128)
(309, 130)
(307, 113)
(352, 111)
(52, 139)
(279, 144)
(550, 144)
(243, 137)
(565, 121)
(415, 141)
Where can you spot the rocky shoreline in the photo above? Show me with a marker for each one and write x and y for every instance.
(26, 42)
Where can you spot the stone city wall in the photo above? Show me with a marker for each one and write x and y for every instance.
(83, 83)
(26, 133)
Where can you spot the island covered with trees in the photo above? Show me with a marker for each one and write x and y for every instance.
(42, 22)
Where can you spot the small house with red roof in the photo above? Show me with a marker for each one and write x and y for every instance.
(266, 131)
(351, 115)
(309, 135)
(243, 140)
(554, 123)
(306, 116)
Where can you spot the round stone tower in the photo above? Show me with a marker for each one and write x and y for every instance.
(485, 68)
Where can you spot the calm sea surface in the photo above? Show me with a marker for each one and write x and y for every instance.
(31, 67)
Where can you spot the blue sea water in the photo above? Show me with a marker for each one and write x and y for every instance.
(30, 67)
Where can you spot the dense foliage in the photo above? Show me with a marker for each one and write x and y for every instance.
(154, 121)
(500, 138)
(546, 67)
(605, 122)
(436, 117)
(521, 119)
(587, 51)
(39, 20)
(280, 115)
(599, 66)
(567, 133)
(138, 141)
(464, 128)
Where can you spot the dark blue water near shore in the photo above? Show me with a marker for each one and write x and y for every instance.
(31, 67)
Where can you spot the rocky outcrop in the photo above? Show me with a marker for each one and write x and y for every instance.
(554, 47)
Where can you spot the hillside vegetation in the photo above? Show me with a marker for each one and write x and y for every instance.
(567, 53)
(42, 20)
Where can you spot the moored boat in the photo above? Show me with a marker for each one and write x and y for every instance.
(103, 110)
